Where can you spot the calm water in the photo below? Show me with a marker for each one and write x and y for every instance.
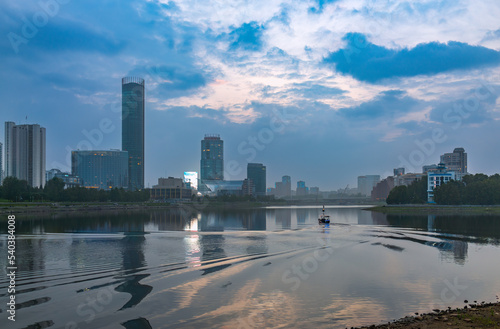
(260, 268)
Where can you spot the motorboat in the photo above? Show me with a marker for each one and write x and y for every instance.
(324, 219)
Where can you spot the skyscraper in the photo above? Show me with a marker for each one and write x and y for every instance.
(367, 183)
(257, 173)
(212, 158)
(133, 129)
(25, 153)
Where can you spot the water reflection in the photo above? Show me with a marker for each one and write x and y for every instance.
(132, 251)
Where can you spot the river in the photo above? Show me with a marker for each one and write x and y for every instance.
(259, 268)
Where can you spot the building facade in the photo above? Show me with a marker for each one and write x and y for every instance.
(170, 189)
(101, 169)
(437, 178)
(256, 172)
(68, 179)
(367, 183)
(301, 188)
(407, 179)
(25, 153)
(381, 191)
(283, 189)
(456, 161)
(212, 158)
(133, 130)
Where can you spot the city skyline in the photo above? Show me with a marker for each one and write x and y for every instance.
(280, 82)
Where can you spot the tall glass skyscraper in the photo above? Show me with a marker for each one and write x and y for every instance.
(212, 158)
(133, 129)
(257, 173)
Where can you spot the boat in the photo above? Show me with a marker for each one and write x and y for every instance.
(324, 219)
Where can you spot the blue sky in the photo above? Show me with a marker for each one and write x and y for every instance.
(319, 90)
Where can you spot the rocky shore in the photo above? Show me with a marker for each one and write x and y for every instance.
(472, 315)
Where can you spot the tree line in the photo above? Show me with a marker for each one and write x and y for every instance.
(17, 190)
(478, 189)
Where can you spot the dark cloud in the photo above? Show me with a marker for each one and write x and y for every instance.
(173, 80)
(248, 36)
(368, 62)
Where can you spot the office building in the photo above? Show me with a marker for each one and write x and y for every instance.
(429, 168)
(367, 183)
(407, 179)
(314, 190)
(381, 191)
(101, 169)
(248, 187)
(222, 187)
(68, 179)
(170, 189)
(456, 161)
(301, 188)
(212, 158)
(438, 178)
(25, 153)
(256, 172)
(283, 189)
(133, 130)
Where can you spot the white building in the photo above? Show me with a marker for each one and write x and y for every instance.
(25, 153)
(437, 178)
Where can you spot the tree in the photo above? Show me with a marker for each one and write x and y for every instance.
(14, 189)
(54, 189)
(398, 195)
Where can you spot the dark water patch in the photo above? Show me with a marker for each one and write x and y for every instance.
(33, 302)
(139, 323)
(40, 325)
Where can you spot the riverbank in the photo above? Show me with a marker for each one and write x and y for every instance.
(426, 209)
(483, 315)
(68, 207)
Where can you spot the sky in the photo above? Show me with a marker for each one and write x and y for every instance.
(321, 90)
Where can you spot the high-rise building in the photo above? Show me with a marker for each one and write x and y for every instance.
(256, 172)
(284, 188)
(25, 153)
(301, 188)
(367, 183)
(133, 129)
(212, 158)
(101, 169)
(456, 161)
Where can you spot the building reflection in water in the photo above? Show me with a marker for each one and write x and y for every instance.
(450, 250)
(132, 251)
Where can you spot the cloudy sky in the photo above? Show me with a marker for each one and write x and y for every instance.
(320, 90)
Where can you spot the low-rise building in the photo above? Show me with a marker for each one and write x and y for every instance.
(169, 189)
(438, 178)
